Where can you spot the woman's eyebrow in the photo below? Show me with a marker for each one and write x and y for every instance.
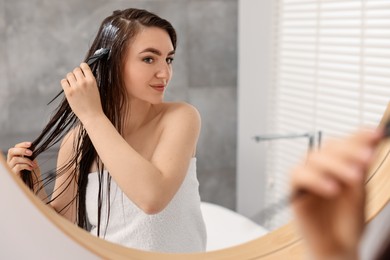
(155, 51)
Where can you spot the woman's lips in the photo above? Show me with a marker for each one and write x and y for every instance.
(160, 88)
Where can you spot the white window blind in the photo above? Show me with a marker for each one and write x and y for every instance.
(331, 74)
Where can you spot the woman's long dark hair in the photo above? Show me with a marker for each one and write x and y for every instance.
(116, 33)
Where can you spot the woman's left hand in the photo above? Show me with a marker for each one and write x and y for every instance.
(82, 93)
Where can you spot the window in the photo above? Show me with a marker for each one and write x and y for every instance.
(331, 74)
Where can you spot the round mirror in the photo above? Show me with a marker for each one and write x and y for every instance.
(42, 45)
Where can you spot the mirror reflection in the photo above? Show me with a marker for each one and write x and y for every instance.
(253, 127)
(126, 164)
(184, 87)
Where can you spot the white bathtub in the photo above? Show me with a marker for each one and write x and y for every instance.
(226, 228)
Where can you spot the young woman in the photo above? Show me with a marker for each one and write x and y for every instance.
(329, 197)
(126, 164)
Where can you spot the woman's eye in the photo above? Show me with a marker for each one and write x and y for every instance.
(170, 60)
(148, 60)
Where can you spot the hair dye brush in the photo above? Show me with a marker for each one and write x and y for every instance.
(100, 54)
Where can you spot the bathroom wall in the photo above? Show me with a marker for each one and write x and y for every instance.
(41, 40)
(254, 81)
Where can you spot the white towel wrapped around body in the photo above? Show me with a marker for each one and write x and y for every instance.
(179, 228)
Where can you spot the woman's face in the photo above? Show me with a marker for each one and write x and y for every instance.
(148, 67)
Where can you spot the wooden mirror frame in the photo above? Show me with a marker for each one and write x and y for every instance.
(282, 243)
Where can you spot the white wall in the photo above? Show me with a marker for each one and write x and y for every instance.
(254, 75)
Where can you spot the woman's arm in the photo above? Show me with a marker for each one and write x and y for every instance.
(329, 195)
(150, 184)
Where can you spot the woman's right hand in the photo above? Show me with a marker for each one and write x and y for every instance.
(329, 195)
(17, 158)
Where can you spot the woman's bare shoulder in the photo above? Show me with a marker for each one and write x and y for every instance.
(179, 110)
(180, 115)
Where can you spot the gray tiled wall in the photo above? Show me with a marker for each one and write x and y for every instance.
(41, 40)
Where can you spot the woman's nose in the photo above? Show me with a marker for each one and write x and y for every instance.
(164, 71)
